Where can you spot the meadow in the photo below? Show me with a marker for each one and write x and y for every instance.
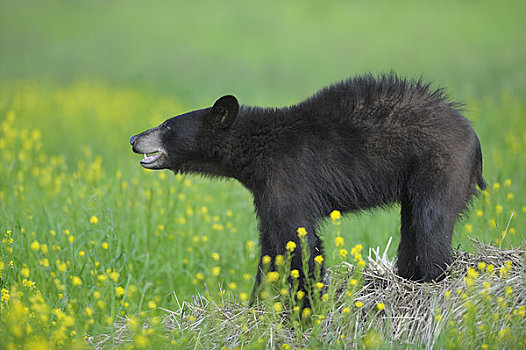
(88, 237)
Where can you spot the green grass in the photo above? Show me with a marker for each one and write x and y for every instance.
(77, 80)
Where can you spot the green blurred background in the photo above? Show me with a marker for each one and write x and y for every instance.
(270, 53)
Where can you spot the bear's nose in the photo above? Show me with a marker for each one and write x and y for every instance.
(133, 139)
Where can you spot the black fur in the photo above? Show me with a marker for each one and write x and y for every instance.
(358, 144)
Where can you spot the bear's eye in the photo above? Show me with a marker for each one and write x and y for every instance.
(167, 126)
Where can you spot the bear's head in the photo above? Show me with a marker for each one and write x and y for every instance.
(185, 140)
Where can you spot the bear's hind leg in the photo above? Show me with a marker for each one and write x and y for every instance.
(433, 217)
(406, 259)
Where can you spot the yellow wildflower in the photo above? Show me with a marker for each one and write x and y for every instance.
(35, 245)
(380, 306)
(232, 285)
(358, 304)
(279, 260)
(318, 259)
(273, 276)
(266, 259)
(24, 272)
(300, 294)
(88, 310)
(302, 232)
(140, 341)
(294, 273)
(105, 245)
(216, 270)
(335, 215)
(93, 220)
(290, 246)
(490, 268)
(358, 248)
(119, 291)
(343, 253)
(472, 273)
(114, 276)
(319, 285)
(278, 307)
(346, 310)
(4, 295)
(76, 281)
(306, 312)
(215, 256)
(492, 223)
(503, 272)
(338, 241)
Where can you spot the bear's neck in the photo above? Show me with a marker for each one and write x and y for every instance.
(242, 152)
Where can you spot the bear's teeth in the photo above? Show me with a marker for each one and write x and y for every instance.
(145, 156)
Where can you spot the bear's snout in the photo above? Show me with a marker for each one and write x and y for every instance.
(133, 139)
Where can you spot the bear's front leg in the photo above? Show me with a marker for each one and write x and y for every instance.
(275, 236)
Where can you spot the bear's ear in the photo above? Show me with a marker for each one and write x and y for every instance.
(224, 111)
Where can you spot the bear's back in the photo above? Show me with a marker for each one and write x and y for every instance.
(366, 99)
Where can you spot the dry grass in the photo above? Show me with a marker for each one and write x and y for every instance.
(415, 314)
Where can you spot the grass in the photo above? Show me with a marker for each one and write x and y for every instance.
(481, 306)
(88, 236)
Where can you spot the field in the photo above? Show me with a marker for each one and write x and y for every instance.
(89, 237)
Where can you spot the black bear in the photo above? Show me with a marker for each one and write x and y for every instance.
(361, 143)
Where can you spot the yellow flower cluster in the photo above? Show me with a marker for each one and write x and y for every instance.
(302, 232)
(357, 255)
(335, 215)
(273, 276)
(291, 246)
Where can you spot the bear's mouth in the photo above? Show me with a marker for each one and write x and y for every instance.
(151, 158)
